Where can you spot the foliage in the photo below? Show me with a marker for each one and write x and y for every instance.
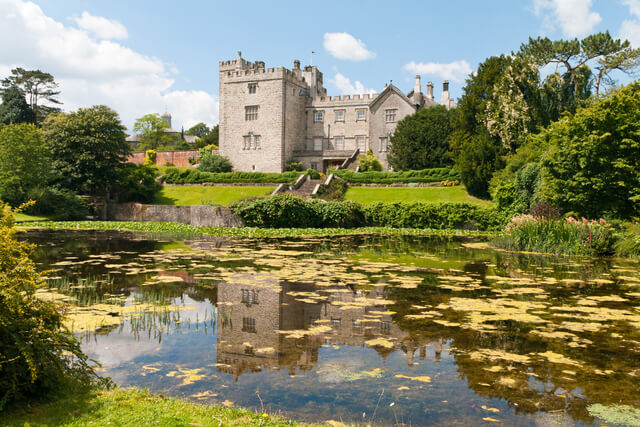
(38, 355)
(293, 165)
(150, 158)
(421, 140)
(174, 175)
(209, 162)
(209, 139)
(200, 130)
(570, 236)
(137, 183)
(477, 158)
(629, 243)
(616, 414)
(87, 147)
(14, 108)
(593, 167)
(372, 177)
(313, 174)
(369, 162)
(37, 86)
(335, 191)
(59, 204)
(464, 216)
(24, 162)
(286, 210)
(151, 128)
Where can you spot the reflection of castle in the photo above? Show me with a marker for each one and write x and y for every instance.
(251, 314)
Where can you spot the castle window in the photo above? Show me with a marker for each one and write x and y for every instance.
(339, 142)
(361, 142)
(314, 166)
(251, 112)
(339, 115)
(317, 144)
(253, 87)
(318, 116)
(249, 297)
(390, 115)
(251, 142)
(361, 115)
(384, 143)
(248, 324)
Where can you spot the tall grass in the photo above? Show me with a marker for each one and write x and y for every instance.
(629, 244)
(570, 236)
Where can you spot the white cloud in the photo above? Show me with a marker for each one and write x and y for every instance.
(345, 87)
(345, 46)
(574, 17)
(630, 28)
(456, 71)
(102, 27)
(92, 71)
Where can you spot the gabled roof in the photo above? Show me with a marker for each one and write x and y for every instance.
(385, 94)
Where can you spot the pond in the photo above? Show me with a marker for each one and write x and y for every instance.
(382, 330)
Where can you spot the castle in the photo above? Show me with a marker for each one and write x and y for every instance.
(269, 116)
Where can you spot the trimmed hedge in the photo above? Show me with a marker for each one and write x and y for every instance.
(193, 176)
(374, 177)
(285, 211)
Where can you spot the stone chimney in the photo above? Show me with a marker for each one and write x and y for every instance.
(417, 92)
(430, 91)
(296, 69)
(296, 64)
(445, 94)
(239, 61)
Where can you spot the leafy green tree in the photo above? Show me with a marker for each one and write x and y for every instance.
(25, 162)
(200, 130)
(210, 138)
(88, 147)
(38, 355)
(476, 158)
(14, 108)
(209, 162)
(37, 86)
(593, 167)
(421, 140)
(137, 183)
(151, 127)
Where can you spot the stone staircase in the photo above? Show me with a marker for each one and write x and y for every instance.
(306, 189)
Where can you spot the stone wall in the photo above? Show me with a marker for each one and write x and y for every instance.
(177, 158)
(205, 216)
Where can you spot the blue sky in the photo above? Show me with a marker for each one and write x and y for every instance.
(141, 56)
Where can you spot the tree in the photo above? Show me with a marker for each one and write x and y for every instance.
(151, 127)
(476, 158)
(24, 162)
(421, 140)
(88, 147)
(625, 60)
(38, 86)
(369, 162)
(200, 130)
(14, 108)
(593, 167)
(210, 138)
(209, 162)
(137, 183)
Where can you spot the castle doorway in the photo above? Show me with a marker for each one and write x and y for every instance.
(331, 163)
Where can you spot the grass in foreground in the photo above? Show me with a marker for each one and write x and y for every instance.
(23, 217)
(207, 195)
(254, 232)
(366, 195)
(132, 407)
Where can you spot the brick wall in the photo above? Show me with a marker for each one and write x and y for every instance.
(177, 158)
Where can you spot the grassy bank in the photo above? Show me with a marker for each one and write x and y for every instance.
(174, 227)
(131, 407)
(206, 195)
(367, 195)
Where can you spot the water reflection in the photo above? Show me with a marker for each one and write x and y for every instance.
(412, 330)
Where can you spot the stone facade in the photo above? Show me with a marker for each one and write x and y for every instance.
(269, 116)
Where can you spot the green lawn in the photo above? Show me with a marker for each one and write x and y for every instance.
(23, 217)
(132, 407)
(368, 195)
(207, 195)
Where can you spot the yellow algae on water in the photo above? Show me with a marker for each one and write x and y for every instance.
(188, 376)
(423, 379)
(380, 342)
(558, 358)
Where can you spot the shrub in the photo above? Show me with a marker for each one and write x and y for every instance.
(334, 191)
(629, 244)
(293, 165)
(369, 162)
(373, 177)
(137, 183)
(38, 355)
(289, 211)
(313, 174)
(150, 158)
(213, 162)
(570, 236)
(61, 204)
(193, 176)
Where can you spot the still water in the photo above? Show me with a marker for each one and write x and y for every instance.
(382, 330)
